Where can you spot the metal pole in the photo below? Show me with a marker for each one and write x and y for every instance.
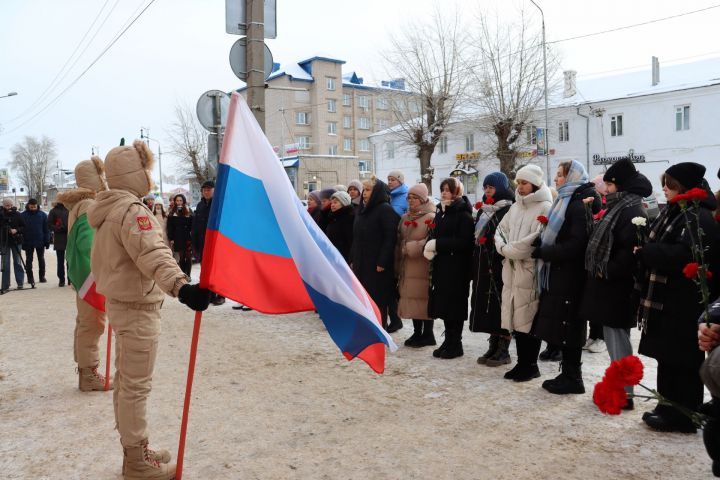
(547, 131)
(587, 138)
(255, 58)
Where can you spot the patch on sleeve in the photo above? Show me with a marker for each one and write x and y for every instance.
(143, 223)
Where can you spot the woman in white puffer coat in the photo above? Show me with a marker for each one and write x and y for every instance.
(514, 240)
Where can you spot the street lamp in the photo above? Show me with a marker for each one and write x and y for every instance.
(11, 94)
(144, 131)
(547, 132)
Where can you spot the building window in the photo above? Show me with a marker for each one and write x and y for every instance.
(302, 118)
(364, 102)
(330, 83)
(381, 103)
(382, 124)
(332, 149)
(332, 105)
(616, 125)
(682, 117)
(390, 150)
(303, 142)
(347, 100)
(364, 166)
(364, 123)
(531, 135)
(364, 145)
(347, 121)
(443, 144)
(469, 142)
(347, 144)
(564, 129)
(332, 128)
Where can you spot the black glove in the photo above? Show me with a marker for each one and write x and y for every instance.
(194, 297)
(536, 253)
(537, 242)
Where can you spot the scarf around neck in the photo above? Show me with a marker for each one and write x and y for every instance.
(487, 212)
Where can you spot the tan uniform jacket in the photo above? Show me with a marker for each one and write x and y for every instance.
(130, 261)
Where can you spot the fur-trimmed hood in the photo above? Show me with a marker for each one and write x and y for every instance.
(72, 197)
(129, 168)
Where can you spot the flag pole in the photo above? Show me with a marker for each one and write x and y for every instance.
(188, 392)
(107, 360)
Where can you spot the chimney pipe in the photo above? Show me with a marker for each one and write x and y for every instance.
(570, 90)
(655, 71)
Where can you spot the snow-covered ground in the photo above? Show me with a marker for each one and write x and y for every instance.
(274, 399)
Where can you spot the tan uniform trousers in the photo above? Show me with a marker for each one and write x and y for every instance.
(89, 327)
(137, 329)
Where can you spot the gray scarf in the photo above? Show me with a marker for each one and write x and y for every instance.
(487, 212)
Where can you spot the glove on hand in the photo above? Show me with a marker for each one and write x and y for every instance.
(536, 253)
(429, 251)
(537, 242)
(194, 297)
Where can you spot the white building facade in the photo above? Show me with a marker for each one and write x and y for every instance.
(656, 120)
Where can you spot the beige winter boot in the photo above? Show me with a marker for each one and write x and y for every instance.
(90, 380)
(140, 464)
(160, 456)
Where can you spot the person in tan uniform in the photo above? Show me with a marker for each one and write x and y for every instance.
(89, 322)
(134, 269)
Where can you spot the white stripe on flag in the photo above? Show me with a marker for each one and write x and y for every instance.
(86, 286)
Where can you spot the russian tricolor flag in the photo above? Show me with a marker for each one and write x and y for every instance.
(263, 249)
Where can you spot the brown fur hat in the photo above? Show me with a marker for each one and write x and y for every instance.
(90, 179)
(130, 168)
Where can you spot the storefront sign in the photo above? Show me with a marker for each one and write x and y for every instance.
(598, 160)
(467, 156)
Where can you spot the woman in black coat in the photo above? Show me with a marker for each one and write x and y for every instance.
(339, 229)
(610, 299)
(373, 247)
(179, 228)
(450, 252)
(561, 275)
(487, 270)
(671, 303)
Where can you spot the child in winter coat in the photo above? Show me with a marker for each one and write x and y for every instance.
(514, 240)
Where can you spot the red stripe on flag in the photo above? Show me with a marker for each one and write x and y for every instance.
(95, 299)
(373, 355)
(265, 283)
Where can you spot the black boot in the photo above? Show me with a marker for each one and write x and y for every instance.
(501, 355)
(493, 346)
(569, 381)
(413, 340)
(551, 354)
(526, 372)
(437, 353)
(428, 337)
(454, 348)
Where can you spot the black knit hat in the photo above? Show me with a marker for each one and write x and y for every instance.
(620, 172)
(689, 174)
(208, 184)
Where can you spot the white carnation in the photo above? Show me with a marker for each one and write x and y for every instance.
(639, 221)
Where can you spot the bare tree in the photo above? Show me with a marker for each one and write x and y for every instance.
(429, 57)
(508, 82)
(189, 145)
(34, 161)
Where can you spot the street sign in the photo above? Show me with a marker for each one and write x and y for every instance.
(238, 65)
(235, 18)
(212, 109)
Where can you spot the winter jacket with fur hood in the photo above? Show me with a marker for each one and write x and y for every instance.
(513, 240)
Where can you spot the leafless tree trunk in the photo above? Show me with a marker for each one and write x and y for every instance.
(429, 57)
(508, 82)
(189, 145)
(34, 160)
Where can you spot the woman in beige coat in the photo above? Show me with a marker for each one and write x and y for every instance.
(413, 268)
(514, 240)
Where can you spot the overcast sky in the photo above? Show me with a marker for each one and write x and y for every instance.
(178, 49)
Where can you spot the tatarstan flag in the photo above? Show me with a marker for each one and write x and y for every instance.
(79, 246)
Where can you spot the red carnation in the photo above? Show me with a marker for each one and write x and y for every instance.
(407, 223)
(696, 194)
(428, 221)
(682, 197)
(708, 274)
(609, 397)
(489, 200)
(482, 240)
(413, 223)
(542, 219)
(691, 270)
(625, 371)
(717, 217)
(431, 225)
(478, 205)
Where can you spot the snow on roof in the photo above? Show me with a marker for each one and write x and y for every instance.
(293, 70)
(639, 83)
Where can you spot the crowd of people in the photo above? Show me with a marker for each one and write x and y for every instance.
(536, 263)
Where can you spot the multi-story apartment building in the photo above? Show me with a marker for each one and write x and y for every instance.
(655, 117)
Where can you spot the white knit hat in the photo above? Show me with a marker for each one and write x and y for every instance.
(398, 175)
(342, 197)
(530, 173)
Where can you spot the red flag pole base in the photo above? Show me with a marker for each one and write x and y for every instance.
(107, 360)
(188, 393)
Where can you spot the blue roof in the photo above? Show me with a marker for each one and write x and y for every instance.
(325, 59)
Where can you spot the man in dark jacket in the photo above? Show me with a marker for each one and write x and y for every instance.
(199, 225)
(11, 229)
(58, 224)
(36, 238)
